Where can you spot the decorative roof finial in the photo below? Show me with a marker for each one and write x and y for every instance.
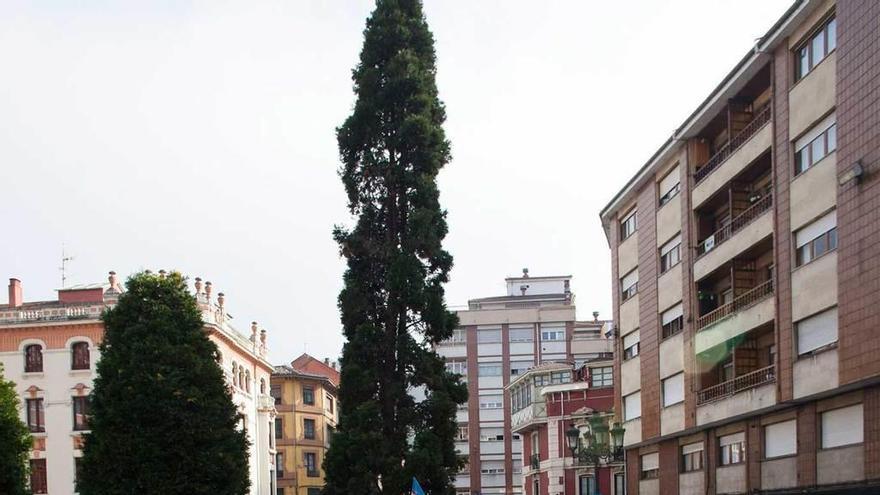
(198, 285)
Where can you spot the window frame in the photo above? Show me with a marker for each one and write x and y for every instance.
(310, 433)
(822, 348)
(803, 156)
(674, 326)
(627, 293)
(830, 240)
(606, 374)
(33, 363)
(626, 415)
(36, 416)
(673, 252)
(663, 390)
(629, 225)
(738, 448)
(39, 476)
(81, 406)
(807, 44)
(312, 470)
(80, 356)
(649, 474)
(822, 427)
(691, 461)
(308, 395)
(631, 351)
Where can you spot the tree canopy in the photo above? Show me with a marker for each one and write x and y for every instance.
(15, 442)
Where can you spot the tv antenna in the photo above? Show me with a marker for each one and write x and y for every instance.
(63, 268)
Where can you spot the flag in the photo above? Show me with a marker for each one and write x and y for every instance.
(417, 488)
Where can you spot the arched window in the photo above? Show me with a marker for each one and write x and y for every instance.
(262, 385)
(80, 356)
(234, 374)
(33, 358)
(247, 381)
(241, 376)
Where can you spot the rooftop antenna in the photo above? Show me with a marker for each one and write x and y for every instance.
(63, 268)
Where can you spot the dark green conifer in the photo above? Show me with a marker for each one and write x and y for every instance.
(15, 442)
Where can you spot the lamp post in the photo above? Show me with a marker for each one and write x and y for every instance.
(596, 446)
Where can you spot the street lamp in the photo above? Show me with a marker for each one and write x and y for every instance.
(596, 446)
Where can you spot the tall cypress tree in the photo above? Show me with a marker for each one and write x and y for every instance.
(15, 442)
(392, 305)
(162, 417)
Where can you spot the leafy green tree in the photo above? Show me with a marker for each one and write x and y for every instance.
(162, 417)
(392, 305)
(15, 442)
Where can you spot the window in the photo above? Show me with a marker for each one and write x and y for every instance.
(80, 356)
(279, 465)
(313, 491)
(650, 466)
(817, 238)
(670, 254)
(816, 144)
(459, 336)
(77, 469)
(732, 449)
(586, 485)
(492, 467)
(309, 396)
(673, 390)
(817, 332)
(669, 185)
(520, 367)
(489, 336)
(629, 285)
(463, 433)
(522, 334)
(489, 369)
(262, 385)
(36, 415)
(691, 457)
(33, 358)
(38, 476)
(631, 345)
(632, 406)
(247, 381)
(844, 426)
(311, 461)
(602, 377)
(81, 411)
(815, 49)
(619, 484)
(491, 402)
(279, 427)
(521, 397)
(536, 444)
(552, 335)
(309, 429)
(672, 320)
(780, 439)
(459, 367)
(491, 434)
(330, 405)
(557, 377)
(234, 374)
(275, 392)
(628, 225)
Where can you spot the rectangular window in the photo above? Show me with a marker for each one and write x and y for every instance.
(463, 433)
(491, 434)
(459, 336)
(330, 404)
(77, 469)
(732, 449)
(844, 426)
(489, 336)
(309, 396)
(279, 427)
(552, 335)
(780, 439)
(817, 238)
(672, 320)
(520, 367)
(33, 358)
(36, 416)
(632, 406)
(670, 254)
(81, 411)
(489, 369)
(673, 390)
(602, 377)
(816, 48)
(586, 485)
(692, 457)
(310, 459)
(817, 332)
(631, 345)
(275, 392)
(309, 429)
(491, 402)
(650, 466)
(279, 465)
(815, 144)
(521, 334)
(459, 367)
(39, 478)
(628, 225)
(80, 359)
(629, 285)
(669, 185)
(558, 377)
(492, 467)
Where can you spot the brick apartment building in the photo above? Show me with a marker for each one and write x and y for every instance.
(50, 349)
(500, 338)
(746, 274)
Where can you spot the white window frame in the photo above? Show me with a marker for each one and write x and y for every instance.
(629, 403)
(842, 427)
(817, 332)
(673, 389)
(780, 439)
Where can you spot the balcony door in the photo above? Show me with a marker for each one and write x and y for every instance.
(586, 486)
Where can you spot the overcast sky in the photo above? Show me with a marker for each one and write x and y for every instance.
(199, 136)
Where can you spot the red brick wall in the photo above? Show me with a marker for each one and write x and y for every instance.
(508, 437)
(473, 409)
(669, 466)
(649, 328)
(871, 407)
(858, 209)
(632, 472)
(754, 441)
(807, 442)
(615, 310)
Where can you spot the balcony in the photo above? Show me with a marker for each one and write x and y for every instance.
(758, 208)
(61, 313)
(740, 303)
(737, 385)
(761, 117)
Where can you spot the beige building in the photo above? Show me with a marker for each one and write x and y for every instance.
(745, 274)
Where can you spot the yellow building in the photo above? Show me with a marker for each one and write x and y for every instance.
(305, 399)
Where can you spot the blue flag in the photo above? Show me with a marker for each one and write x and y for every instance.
(417, 488)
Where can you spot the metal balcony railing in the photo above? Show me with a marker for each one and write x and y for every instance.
(719, 236)
(742, 302)
(738, 384)
(762, 116)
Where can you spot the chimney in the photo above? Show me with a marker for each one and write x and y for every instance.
(333, 365)
(525, 273)
(15, 295)
(596, 316)
(327, 361)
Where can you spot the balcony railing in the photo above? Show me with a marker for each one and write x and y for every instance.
(75, 312)
(752, 212)
(762, 116)
(740, 303)
(535, 461)
(738, 384)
